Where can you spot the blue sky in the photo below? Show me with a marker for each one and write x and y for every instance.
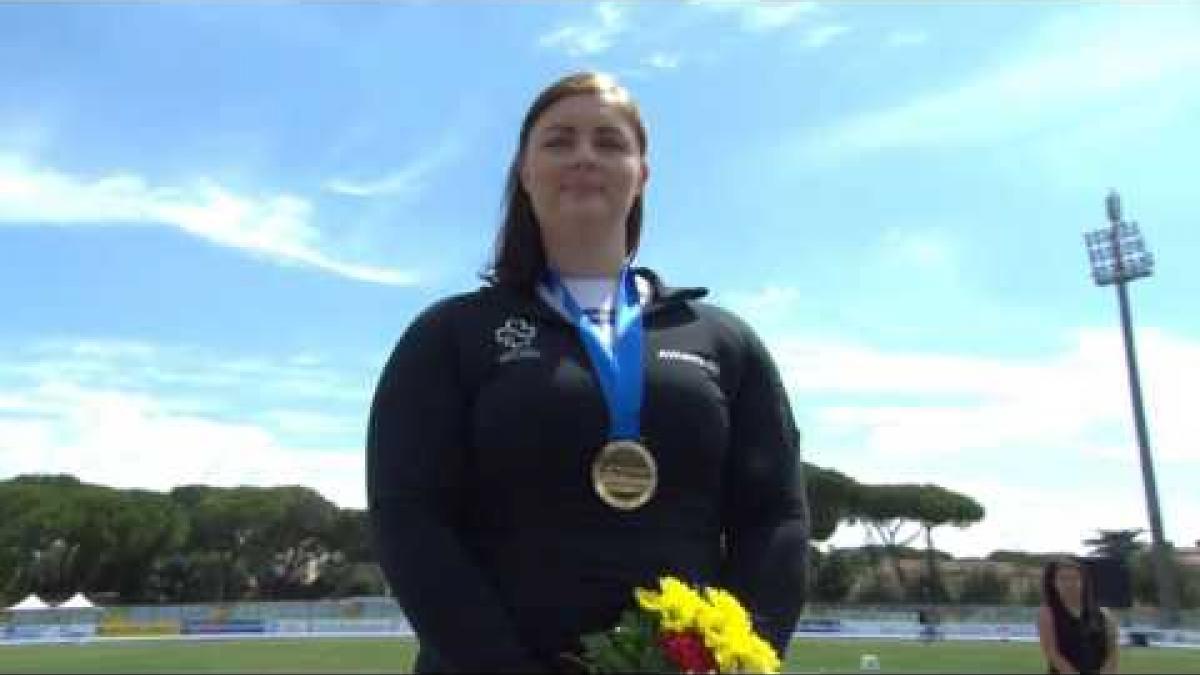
(216, 219)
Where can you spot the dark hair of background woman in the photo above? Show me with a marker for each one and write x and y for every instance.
(1090, 616)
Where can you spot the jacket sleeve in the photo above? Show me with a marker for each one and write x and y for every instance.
(415, 483)
(765, 506)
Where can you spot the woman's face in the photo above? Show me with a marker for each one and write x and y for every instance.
(582, 165)
(1069, 583)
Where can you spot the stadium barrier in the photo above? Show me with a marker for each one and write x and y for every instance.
(1131, 635)
(819, 626)
(241, 626)
(1144, 637)
(381, 616)
(332, 626)
(42, 632)
(122, 628)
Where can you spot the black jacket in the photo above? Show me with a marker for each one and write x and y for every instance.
(483, 428)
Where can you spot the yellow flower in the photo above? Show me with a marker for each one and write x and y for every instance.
(676, 604)
(744, 652)
(723, 623)
(729, 634)
(761, 657)
(723, 613)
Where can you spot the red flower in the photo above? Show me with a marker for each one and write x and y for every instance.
(687, 651)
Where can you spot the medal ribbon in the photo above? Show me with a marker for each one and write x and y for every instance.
(619, 372)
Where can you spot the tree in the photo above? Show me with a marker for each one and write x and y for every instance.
(1116, 544)
(349, 535)
(43, 525)
(145, 527)
(188, 497)
(1032, 595)
(1023, 558)
(193, 576)
(268, 539)
(831, 499)
(834, 575)
(46, 480)
(1145, 580)
(885, 511)
(1189, 586)
(937, 506)
(874, 589)
(63, 536)
(895, 515)
(229, 523)
(984, 586)
(296, 541)
(343, 579)
(19, 538)
(59, 535)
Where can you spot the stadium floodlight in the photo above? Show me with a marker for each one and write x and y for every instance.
(1118, 255)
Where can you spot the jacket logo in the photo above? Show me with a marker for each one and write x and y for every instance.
(695, 359)
(516, 336)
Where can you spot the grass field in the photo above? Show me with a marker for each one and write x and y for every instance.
(376, 655)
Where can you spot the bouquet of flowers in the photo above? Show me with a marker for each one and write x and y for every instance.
(679, 629)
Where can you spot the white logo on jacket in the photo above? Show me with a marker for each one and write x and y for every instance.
(695, 359)
(516, 336)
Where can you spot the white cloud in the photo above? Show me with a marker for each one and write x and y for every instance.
(662, 61)
(760, 17)
(1082, 156)
(1069, 399)
(278, 227)
(405, 182)
(140, 366)
(906, 38)
(844, 368)
(752, 18)
(128, 440)
(103, 349)
(763, 306)
(589, 38)
(57, 417)
(886, 417)
(309, 423)
(918, 249)
(820, 36)
(1057, 81)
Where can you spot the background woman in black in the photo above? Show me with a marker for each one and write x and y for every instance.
(492, 415)
(1076, 635)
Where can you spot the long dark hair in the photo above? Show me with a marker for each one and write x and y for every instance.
(1090, 616)
(519, 258)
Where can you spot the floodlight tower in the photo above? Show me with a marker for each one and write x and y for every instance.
(1118, 255)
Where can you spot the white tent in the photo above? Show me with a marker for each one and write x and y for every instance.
(31, 603)
(77, 601)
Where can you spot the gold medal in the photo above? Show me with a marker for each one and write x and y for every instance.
(624, 474)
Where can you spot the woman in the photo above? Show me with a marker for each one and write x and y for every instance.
(1076, 635)
(539, 447)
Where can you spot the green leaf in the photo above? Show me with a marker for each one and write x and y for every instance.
(630, 647)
